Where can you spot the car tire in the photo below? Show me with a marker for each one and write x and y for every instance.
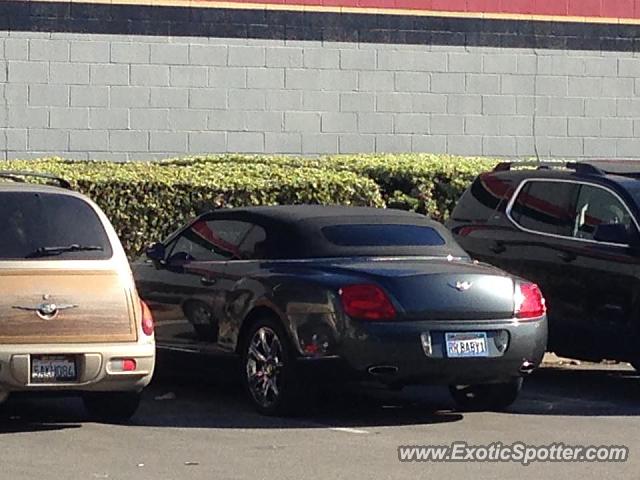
(268, 369)
(490, 396)
(111, 406)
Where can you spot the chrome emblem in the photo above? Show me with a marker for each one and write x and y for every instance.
(46, 310)
(461, 286)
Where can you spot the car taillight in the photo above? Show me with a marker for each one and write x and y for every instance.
(529, 302)
(147, 319)
(367, 302)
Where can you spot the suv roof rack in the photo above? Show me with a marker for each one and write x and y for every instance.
(17, 176)
(579, 167)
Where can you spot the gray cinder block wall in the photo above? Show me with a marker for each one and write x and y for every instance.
(120, 93)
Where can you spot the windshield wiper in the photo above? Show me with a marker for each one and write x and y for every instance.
(52, 251)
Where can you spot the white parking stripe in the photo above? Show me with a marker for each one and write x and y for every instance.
(349, 430)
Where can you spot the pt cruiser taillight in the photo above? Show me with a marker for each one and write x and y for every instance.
(147, 319)
(529, 302)
(367, 302)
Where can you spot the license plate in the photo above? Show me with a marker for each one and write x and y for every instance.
(53, 368)
(466, 344)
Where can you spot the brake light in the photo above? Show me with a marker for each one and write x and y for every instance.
(367, 302)
(529, 302)
(147, 319)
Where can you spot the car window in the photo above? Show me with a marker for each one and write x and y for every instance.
(38, 226)
(209, 240)
(254, 245)
(597, 206)
(546, 207)
(382, 235)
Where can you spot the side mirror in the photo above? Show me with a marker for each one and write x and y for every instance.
(612, 233)
(156, 252)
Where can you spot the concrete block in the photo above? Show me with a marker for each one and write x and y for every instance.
(244, 99)
(48, 140)
(628, 107)
(429, 103)
(227, 120)
(265, 121)
(404, 82)
(128, 141)
(48, 50)
(287, 143)
(246, 56)
(322, 143)
(583, 127)
(412, 61)
(88, 140)
(416, 123)
(129, 96)
(464, 144)
(286, 100)
(109, 118)
(618, 87)
(483, 83)
(357, 102)
(600, 147)
(356, 143)
(302, 122)
(500, 63)
(27, 72)
(168, 142)
(499, 105)
(515, 126)
(227, 77)
(482, 125)
(188, 76)
(393, 102)
(28, 117)
(551, 126)
(629, 67)
(504, 146)
(321, 101)
(600, 107)
(393, 143)
(169, 54)
(590, 87)
(109, 74)
(245, 142)
(468, 62)
(265, 78)
(379, 81)
(566, 106)
(464, 104)
(429, 143)
(211, 98)
(149, 75)
(16, 49)
(89, 96)
(48, 95)
(89, 51)
(553, 86)
(208, 54)
(207, 142)
(188, 119)
(149, 119)
(322, 58)
(517, 85)
(338, 122)
(130, 52)
(357, 59)
(71, 118)
(616, 127)
(374, 123)
(287, 57)
(68, 73)
(447, 125)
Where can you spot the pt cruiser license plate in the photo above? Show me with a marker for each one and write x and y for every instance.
(466, 344)
(53, 368)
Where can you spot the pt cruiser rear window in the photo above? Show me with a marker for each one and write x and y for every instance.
(46, 226)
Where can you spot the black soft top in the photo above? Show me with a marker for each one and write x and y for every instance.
(295, 231)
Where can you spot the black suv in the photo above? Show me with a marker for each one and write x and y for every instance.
(573, 229)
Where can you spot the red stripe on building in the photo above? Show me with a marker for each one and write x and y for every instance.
(596, 9)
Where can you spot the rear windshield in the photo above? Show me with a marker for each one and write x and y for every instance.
(382, 235)
(46, 226)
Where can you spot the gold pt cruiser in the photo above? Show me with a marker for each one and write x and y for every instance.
(70, 315)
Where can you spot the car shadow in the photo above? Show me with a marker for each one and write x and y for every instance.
(212, 398)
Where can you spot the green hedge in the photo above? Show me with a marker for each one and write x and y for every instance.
(426, 183)
(146, 201)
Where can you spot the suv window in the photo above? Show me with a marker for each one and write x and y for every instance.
(209, 240)
(597, 206)
(30, 221)
(546, 207)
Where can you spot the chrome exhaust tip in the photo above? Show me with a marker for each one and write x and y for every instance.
(527, 367)
(383, 370)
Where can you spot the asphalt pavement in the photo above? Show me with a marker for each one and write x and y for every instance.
(197, 425)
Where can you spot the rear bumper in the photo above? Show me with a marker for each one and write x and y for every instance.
(398, 349)
(95, 370)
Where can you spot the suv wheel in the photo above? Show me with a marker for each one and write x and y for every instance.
(111, 406)
(268, 372)
(491, 396)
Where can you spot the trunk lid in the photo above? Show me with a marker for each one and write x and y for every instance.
(90, 306)
(438, 289)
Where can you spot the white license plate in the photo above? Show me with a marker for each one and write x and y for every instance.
(466, 344)
(53, 368)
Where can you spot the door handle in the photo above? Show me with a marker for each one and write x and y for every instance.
(567, 256)
(498, 247)
(207, 281)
